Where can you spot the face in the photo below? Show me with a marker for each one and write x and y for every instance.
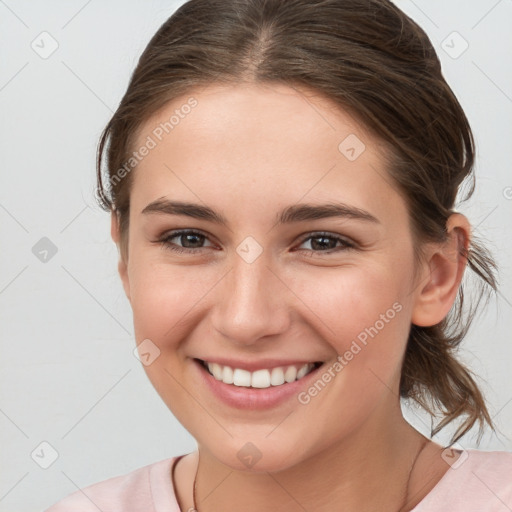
(275, 284)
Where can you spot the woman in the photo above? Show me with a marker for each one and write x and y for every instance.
(282, 179)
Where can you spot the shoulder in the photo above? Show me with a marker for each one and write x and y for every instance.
(493, 467)
(493, 470)
(477, 481)
(496, 459)
(132, 491)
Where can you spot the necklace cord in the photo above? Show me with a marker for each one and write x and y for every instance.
(404, 502)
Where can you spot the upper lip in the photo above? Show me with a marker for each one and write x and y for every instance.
(261, 364)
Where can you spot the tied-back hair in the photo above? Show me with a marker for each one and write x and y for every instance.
(379, 66)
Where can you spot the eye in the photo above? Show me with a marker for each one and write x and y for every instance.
(326, 243)
(192, 242)
(192, 239)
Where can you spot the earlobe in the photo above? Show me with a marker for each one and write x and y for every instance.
(443, 274)
(122, 266)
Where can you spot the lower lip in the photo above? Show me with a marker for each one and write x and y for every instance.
(242, 397)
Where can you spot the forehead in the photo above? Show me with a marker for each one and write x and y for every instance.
(254, 145)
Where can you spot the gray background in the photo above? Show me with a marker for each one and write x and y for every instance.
(68, 374)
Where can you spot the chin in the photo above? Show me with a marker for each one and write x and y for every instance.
(259, 455)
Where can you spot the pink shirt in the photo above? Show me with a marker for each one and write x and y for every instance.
(482, 483)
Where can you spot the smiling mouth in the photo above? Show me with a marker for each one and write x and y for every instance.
(260, 379)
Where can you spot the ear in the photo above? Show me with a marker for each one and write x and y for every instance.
(443, 274)
(122, 266)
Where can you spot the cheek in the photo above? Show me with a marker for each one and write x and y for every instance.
(364, 314)
(161, 298)
(361, 313)
(344, 303)
(347, 301)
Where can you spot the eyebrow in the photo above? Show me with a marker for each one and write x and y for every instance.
(291, 214)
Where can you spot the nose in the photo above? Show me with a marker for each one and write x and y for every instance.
(252, 303)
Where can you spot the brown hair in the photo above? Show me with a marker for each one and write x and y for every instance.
(379, 66)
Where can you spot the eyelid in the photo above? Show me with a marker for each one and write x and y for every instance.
(163, 239)
(327, 234)
(348, 243)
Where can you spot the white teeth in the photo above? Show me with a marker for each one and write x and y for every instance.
(290, 374)
(241, 377)
(216, 369)
(227, 375)
(259, 378)
(277, 376)
(302, 371)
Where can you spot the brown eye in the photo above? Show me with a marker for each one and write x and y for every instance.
(326, 243)
(191, 241)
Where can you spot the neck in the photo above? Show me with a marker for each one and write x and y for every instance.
(369, 470)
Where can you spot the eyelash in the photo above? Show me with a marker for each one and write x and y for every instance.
(165, 241)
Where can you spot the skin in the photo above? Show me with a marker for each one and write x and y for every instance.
(247, 152)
